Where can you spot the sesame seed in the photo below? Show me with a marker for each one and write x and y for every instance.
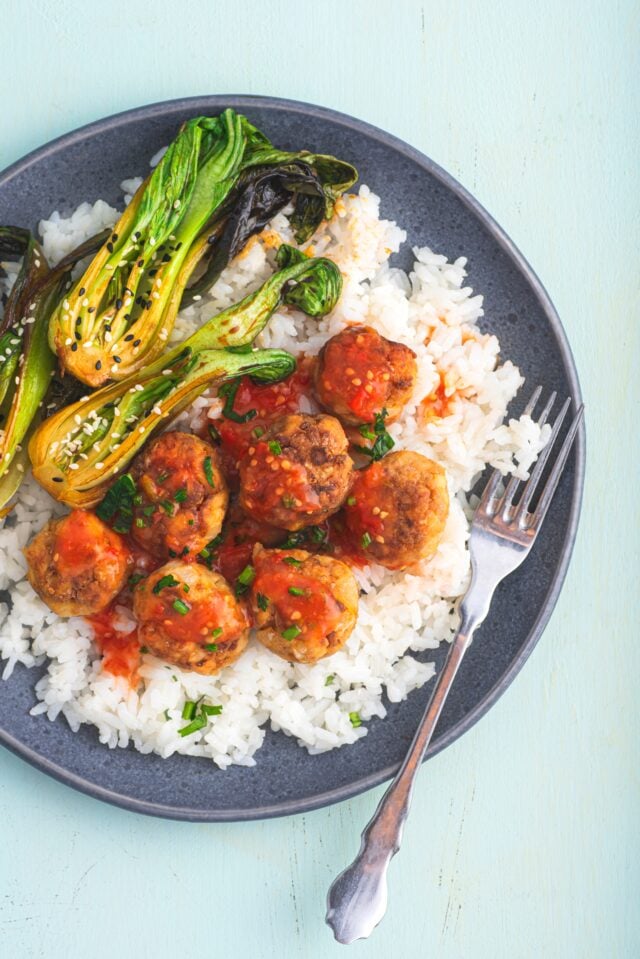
(68, 341)
(379, 539)
(197, 297)
(375, 510)
(73, 466)
(74, 347)
(128, 337)
(118, 304)
(85, 302)
(137, 342)
(81, 292)
(99, 466)
(349, 371)
(386, 376)
(356, 381)
(383, 514)
(140, 263)
(99, 364)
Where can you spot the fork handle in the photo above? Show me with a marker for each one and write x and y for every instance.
(357, 899)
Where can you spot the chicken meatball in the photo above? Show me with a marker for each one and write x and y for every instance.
(298, 473)
(189, 616)
(304, 606)
(359, 373)
(182, 496)
(77, 564)
(398, 508)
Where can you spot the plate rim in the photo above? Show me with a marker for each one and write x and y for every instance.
(246, 102)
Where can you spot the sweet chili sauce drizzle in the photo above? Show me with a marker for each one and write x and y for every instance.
(120, 650)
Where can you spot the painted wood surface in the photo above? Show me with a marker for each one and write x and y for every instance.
(524, 838)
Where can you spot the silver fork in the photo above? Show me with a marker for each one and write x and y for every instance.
(502, 533)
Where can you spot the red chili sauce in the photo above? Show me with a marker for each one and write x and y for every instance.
(120, 650)
(316, 612)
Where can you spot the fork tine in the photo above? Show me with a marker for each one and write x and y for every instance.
(489, 490)
(540, 463)
(556, 472)
(505, 503)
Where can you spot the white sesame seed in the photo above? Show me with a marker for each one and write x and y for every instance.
(73, 466)
(68, 341)
(99, 466)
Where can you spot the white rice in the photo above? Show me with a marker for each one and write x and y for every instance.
(400, 613)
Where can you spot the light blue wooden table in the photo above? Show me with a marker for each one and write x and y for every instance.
(524, 839)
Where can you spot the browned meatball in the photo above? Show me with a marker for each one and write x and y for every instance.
(188, 616)
(398, 508)
(359, 373)
(298, 473)
(304, 606)
(77, 565)
(182, 496)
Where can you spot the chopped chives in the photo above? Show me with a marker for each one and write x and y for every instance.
(245, 579)
(366, 540)
(210, 710)
(296, 591)
(328, 681)
(180, 496)
(263, 602)
(354, 719)
(198, 723)
(291, 561)
(208, 471)
(211, 647)
(140, 523)
(257, 432)
(180, 607)
(217, 632)
(351, 501)
(163, 582)
(189, 710)
(291, 632)
(275, 447)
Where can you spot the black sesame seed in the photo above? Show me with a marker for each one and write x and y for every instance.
(148, 304)
(139, 301)
(127, 316)
(78, 335)
(81, 292)
(110, 247)
(128, 337)
(107, 328)
(137, 342)
(114, 238)
(140, 263)
(99, 365)
(74, 347)
(117, 359)
(91, 309)
(178, 245)
(212, 238)
(152, 272)
(166, 258)
(118, 304)
(57, 479)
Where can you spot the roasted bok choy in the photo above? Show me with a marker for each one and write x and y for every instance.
(219, 183)
(79, 452)
(26, 362)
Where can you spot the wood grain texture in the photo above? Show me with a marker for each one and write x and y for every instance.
(524, 837)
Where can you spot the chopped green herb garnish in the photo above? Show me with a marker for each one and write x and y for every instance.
(274, 447)
(144, 649)
(296, 591)
(351, 501)
(198, 723)
(208, 710)
(163, 582)
(211, 647)
(214, 434)
(162, 478)
(228, 392)
(217, 632)
(367, 432)
(191, 522)
(135, 578)
(365, 541)
(288, 501)
(329, 680)
(117, 504)
(291, 561)
(148, 510)
(317, 534)
(185, 588)
(383, 441)
(180, 607)
(140, 523)
(137, 499)
(189, 710)
(245, 579)
(354, 719)
(167, 506)
(208, 471)
(291, 632)
(263, 602)
(181, 495)
(257, 432)
(166, 715)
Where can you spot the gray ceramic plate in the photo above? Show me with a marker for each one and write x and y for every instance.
(435, 210)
